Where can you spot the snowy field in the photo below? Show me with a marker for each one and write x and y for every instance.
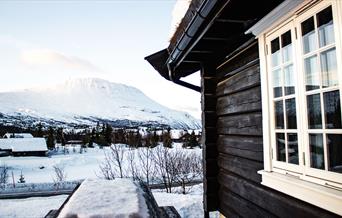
(30, 207)
(189, 205)
(79, 166)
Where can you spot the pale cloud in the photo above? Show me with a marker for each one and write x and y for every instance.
(45, 57)
(178, 13)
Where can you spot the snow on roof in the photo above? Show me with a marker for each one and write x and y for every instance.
(106, 198)
(18, 135)
(23, 144)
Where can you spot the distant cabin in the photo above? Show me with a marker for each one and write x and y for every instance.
(18, 135)
(23, 146)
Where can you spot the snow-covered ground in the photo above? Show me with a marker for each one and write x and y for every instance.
(30, 207)
(81, 166)
(189, 205)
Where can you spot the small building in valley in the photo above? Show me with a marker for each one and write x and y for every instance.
(23, 146)
(18, 135)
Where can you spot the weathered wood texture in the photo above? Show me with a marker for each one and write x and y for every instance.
(209, 138)
(240, 147)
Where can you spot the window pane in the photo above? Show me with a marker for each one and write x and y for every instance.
(309, 35)
(311, 73)
(281, 155)
(277, 84)
(329, 68)
(289, 80)
(332, 109)
(291, 117)
(334, 142)
(316, 151)
(314, 111)
(325, 27)
(275, 51)
(279, 115)
(286, 44)
(292, 148)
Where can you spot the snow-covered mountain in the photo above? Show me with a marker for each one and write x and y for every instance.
(86, 101)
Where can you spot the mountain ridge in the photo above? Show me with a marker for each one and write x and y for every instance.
(87, 101)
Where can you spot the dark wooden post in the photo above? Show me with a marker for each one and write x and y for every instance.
(209, 138)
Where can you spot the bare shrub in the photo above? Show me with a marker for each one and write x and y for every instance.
(112, 166)
(3, 175)
(60, 176)
(132, 166)
(189, 168)
(165, 165)
(147, 166)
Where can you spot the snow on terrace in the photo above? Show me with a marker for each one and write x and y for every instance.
(104, 198)
(23, 144)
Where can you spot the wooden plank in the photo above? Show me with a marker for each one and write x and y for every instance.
(243, 167)
(242, 146)
(270, 200)
(243, 80)
(251, 155)
(209, 135)
(209, 102)
(209, 119)
(210, 151)
(244, 124)
(210, 167)
(244, 207)
(241, 142)
(240, 102)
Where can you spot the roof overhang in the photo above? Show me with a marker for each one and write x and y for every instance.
(209, 32)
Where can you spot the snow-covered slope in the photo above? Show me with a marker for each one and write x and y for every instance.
(86, 101)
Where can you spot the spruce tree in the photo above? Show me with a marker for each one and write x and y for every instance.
(108, 134)
(51, 139)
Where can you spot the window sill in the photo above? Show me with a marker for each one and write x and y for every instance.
(324, 197)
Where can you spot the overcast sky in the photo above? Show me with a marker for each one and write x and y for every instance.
(48, 42)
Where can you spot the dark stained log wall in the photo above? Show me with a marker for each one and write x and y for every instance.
(209, 137)
(238, 137)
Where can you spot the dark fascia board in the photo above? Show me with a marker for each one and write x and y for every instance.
(158, 61)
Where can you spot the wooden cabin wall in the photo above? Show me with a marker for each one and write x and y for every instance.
(239, 145)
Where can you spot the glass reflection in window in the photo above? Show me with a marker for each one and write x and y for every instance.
(316, 151)
(314, 111)
(329, 68)
(334, 142)
(325, 27)
(309, 35)
(332, 109)
(292, 149)
(279, 115)
(311, 73)
(280, 140)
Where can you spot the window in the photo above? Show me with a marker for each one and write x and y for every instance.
(301, 64)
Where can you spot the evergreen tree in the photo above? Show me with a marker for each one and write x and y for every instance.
(154, 139)
(40, 130)
(167, 140)
(51, 138)
(108, 134)
(92, 137)
(192, 140)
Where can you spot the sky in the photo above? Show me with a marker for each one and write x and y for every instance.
(44, 42)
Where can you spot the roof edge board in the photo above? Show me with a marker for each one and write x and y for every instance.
(272, 17)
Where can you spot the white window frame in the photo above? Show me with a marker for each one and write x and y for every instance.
(318, 187)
